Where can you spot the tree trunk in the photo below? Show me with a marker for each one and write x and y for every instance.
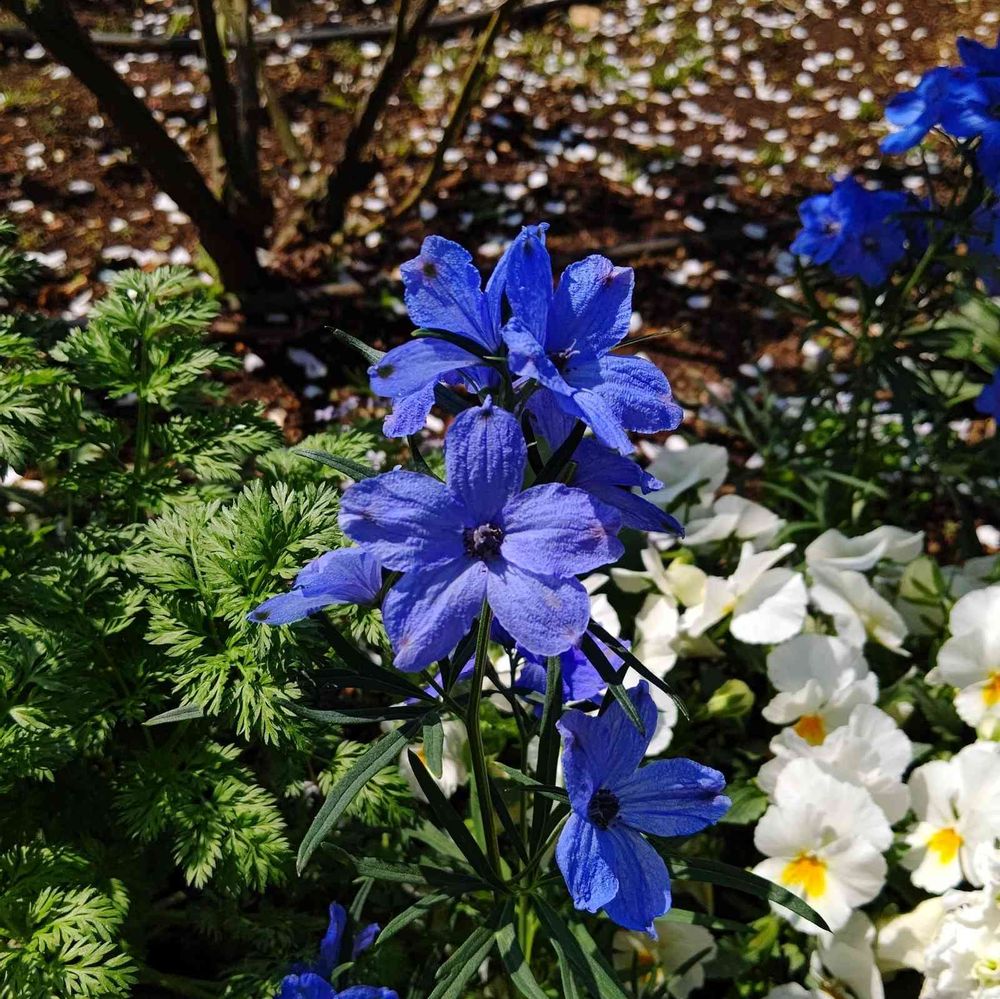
(54, 25)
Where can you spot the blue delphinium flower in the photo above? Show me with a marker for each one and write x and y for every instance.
(580, 679)
(984, 245)
(857, 232)
(313, 981)
(442, 292)
(344, 576)
(980, 58)
(915, 112)
(563, 339)
(973, 110)
(988, 401)
(603, 856)
(606, 474)
(480, 537)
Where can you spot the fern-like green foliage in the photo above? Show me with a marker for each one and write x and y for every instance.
(143, 517)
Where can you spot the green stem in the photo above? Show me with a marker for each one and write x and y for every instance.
(476, 749)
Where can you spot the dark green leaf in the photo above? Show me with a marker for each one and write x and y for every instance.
(523, 780)
(748, 804)
(610, 676)
(449, 882)
(412, 914)
(548, 747)
(515, 963)
(358, 716)
(370, 354)
(351, 469)
(464, 962)
(553, 468)
(434, 745)
(375, 759)
(687, 917)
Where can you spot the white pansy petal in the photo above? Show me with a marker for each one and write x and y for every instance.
(704, 466)
(903, 941)
(772, 610)
(976, 611)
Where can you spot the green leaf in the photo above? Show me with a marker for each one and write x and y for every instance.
(417, 459)
(748, 804)
(465, 961)
(378, 756)
(186, 712)
(412, 914)
(548, 747)
(359, 716)
(452, 822)
(434, 745)
(726, 876)
(352, 469)
(553, 468)
(588, 966)
(609, 675)
(687, 918)
(515, 963)
(515, 776)
(370, 354)
(448, 882)
(450, 401)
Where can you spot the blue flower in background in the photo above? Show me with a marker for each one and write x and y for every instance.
(442, 292)
(580, 679)
(344, 576)
(973, 110)
(978, 57)
(984, 245)
(563, 339)
(605, 473)
(312, 982)
(480, 537)
(603, 856)
(988, 402)
(915, 112)
(855, 231)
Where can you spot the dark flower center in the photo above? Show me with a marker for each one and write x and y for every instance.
(483, 541)
(562, 357)
(831, 227)
(603, 808)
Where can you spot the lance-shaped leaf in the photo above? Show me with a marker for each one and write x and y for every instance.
(466, 960)
(433, 737)
(448, 882)
(375, 759)
(412, 914)
(186, 712)
(352, 469)
(357, 716)
(516, 964)
(369, 353)
(548, 747)
(726, 876)
(612, 678)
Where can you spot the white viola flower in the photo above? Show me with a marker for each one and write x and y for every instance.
(454, 773)
(834, 550)
(733, 516)
(767, 605)
(963, 959)
(658, 959)
(658, 633)
(666, 719)
(678, 580)
(819, 679)
(600, 607)
(869, 750)
(823, 839)
(957, 805)
(903, 940)
(969, 660)
(795, 991)
(702, 467)
(860, 613)
(847, 958)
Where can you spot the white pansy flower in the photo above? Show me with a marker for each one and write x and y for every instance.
(768, 605)
(903, 940)
(704, 466)
(666, 719)
(454, 772)
(819, 679)
(970, 660)
(679, 580)
(733, 516)
(859, 612)
(869, 750)
(600, 607)
(658, 959)
(795, 991)
(824, 840)
(834, 550)
(957, 804)
(847, 958)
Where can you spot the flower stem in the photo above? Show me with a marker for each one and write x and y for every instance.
(476, 750)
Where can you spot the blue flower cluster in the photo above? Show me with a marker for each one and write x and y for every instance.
(865, 233)
(313, 981)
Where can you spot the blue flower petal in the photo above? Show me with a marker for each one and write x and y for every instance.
(639, 394)
(545, 614)
(428, 613)
(329, 946)
(588, 875)
(409, 412)
(643, 881)
(348, 575)
(306, 986)
(528, 359)
(367, 992)
(404, 519)
(979, 57)
(592, 307)
(529, 280)
(560, 531)
(364, 939)
(415, 365)
(443, 292)
(673, 798)
(288, 607)
(485, 455)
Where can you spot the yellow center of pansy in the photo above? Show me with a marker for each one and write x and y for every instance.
(811, 728)
(808, 872)
(991, 692)
(946, 844)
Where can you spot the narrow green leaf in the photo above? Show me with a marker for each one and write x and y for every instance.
(434, 745)
(507, 820)
(507, 773)
(687, 917)
(375, 678)
(599, 980)
(450, 401)
(186, 712)
(417, 459)
(452, 822)
(553, 468)
(357, 716)
(548, 747)
(727, 876)
(515, 963)
(376, 758)
(352, 469)
(464, 963)
(412, 914)
(610, 676)
(370, 354)
(637, 664)
(448, 882)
